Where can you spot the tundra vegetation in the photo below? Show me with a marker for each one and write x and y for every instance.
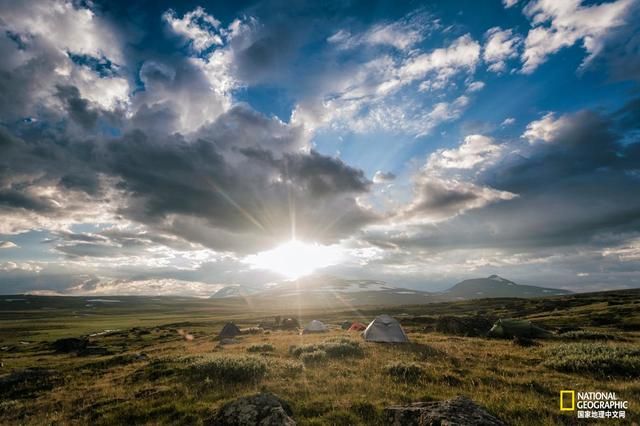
(130, 363)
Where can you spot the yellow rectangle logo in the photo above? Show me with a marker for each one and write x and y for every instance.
(566, 407)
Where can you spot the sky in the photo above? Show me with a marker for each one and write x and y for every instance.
(166, 147)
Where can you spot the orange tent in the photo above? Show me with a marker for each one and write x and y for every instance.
(357, 326)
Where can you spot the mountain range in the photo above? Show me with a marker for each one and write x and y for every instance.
(329, 291)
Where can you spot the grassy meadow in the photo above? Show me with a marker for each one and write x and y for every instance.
(159, 362)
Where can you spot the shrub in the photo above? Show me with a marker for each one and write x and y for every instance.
(594, 358)
(341, 349)
(365, 410)
(406, 371)
(290, 368)
(333, 348)
(524, 342)
(297, 351)
(261, 348)
(313, 357)
(28, 383)
(587, 335)
(463, 326)
(228, 369)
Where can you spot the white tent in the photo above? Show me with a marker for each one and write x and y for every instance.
(315, 326)
(385, 329)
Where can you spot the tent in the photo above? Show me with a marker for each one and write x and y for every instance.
(357, 326)
(315, 326)
(385, 329)
(229, 330)
(345, 325)
(508, 328)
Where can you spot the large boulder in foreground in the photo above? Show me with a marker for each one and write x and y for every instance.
(264, 409)
(460, 411)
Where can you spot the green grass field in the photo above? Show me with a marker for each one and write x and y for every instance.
(146, 372)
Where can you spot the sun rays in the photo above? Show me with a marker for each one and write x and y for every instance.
(295, 259)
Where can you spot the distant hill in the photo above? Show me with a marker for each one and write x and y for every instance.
(329, 291)
(235, 290)
(496, 286)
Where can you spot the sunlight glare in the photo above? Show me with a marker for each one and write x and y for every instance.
(295, 259)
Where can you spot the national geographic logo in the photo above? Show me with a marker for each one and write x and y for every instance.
(594, 405)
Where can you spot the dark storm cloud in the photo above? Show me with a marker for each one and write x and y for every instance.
(440, 200)
(316, 174)
(79, 109)
(582, 144)
(572, 189)
(161, 180)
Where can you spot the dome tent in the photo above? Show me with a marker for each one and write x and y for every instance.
(229, 330)
(508, 328)
(315, 326)
(385, 329)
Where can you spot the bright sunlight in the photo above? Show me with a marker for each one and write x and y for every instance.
(295, 259)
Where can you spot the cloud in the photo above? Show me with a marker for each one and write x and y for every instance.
(402, 34)
(583, 176)
(374, 95)
(500, 46)
(40, 46)
(155, 287)
(439, 199)
(545, 129)
(475, 149)
(475, 86)
(382, 177)
(508, 121)
(198, 27)
(568, 23)
(7, 245)
(509, 3)
(462, 54)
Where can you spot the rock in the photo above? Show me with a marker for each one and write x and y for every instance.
(70, 344)
(458, 411)
(263, 409)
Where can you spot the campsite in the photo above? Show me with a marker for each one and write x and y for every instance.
(132, 362)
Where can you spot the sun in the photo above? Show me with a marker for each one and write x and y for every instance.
(295, 259)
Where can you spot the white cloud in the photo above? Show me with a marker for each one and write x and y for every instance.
(366, 100)
(31, 267)
(475, 86)
(462, 54)
(508, 121)
(402, 34)
(7, 245)
(156, 287)
(52, 35)
(67, 27)
(474, 150)
(445, 186)
(509, 3)
(200, 28)
(545, 129)
(499, 47)
(569, 22)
